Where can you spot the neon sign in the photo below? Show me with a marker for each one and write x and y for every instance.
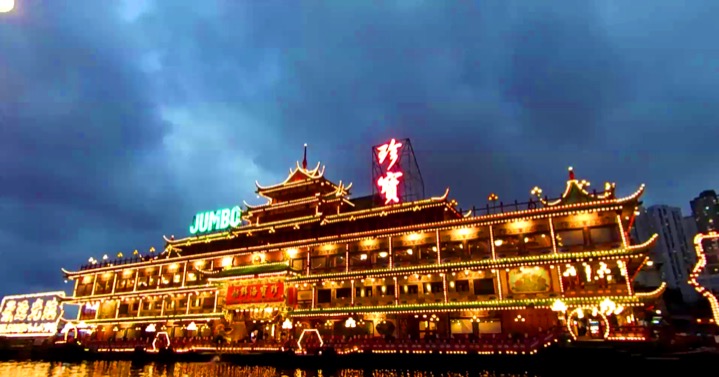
(31, 315)
(389, 182)
(213, 221)
(390, 150)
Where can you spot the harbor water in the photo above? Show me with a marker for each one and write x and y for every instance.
(129, 369)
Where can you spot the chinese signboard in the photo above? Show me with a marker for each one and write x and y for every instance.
(213, 221)
(388, 183)
(255, 293)
(31, 315)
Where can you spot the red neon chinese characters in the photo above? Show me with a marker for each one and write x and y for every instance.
(388, 185)
(390, 149)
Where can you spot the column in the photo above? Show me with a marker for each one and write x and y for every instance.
(189, 297)
(114, 282)
(184, 274)
(137, 277)
(314, 296)
(439, 248)
(444, 284)
(391, 254)
(77, 284)
(551, 233)
(307, 269)
(491, 242)
(94, 284)
(159, 277)
(354, 294)
(396, 290)
(347, 257)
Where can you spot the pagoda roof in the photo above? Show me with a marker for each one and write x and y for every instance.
(298, 176)
(340, 191)
(576, 193)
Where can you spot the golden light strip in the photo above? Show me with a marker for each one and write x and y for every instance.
(699, 269)
(487, 263)
(352, 237)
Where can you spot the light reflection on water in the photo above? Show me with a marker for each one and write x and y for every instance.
(128, 369)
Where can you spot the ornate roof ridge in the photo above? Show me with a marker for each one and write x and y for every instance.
(310, 174)
(576, 192)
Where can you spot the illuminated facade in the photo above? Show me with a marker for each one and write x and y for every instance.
(311, 260)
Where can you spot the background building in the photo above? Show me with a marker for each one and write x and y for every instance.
(673, 254)
(705, 212)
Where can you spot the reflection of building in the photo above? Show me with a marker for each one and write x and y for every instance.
(312, 258)
(673, 255)
(705, 211)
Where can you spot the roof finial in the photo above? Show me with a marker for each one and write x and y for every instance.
(571, 173)
(304, 160)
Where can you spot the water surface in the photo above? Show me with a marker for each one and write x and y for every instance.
(129, 369)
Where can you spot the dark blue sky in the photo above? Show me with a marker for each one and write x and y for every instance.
(119, 120)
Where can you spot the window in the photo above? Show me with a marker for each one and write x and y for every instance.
(604, 235)
(461, 286)
(484, 286)
(363, 292)
(405, 256)
(569, 238)
(538, 241)
(318, 263)
(380, 259)
(479, 249)
(507, 246)
(344, 293)
(387, 290)
(436, 287)
(338, 262)
(298, 264)
(409, 290)
(324, 296)
(453, 252)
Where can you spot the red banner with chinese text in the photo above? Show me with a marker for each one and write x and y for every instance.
(255, 293)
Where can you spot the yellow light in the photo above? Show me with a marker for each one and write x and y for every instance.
(226, 262)
(6, 5)
(292, 252)
(498, 242)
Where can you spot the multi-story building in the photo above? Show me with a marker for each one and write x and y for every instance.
(673, 255)
(705, 211)
(311, 260)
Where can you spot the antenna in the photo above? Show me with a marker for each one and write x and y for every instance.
(304, 160)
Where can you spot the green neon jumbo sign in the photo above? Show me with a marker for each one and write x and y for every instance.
(213, 221)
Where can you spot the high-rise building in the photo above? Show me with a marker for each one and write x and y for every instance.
(673, 254)
(705, 211)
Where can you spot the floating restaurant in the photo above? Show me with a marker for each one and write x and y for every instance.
(313, 268)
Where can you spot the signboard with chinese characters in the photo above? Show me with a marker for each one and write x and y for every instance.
(255, 293)
(213, 221)
(388, 183)
(35, 314)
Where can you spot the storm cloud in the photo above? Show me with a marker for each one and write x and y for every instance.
(118, 123)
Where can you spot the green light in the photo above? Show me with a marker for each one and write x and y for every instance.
(213, 221)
